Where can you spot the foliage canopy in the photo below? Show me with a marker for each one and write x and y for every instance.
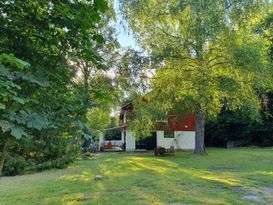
(207, 55)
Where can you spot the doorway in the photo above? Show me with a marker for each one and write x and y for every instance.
(147, 143)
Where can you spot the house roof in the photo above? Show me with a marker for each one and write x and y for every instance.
(125, 108)
(178, 122)
(114, 128)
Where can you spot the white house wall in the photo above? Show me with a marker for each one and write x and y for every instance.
(130, 141)
(185, 139)
(182, 140)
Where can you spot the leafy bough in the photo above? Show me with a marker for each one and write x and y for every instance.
(16, 116)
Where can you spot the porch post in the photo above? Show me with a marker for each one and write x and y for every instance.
(100, 140)
(122, 136)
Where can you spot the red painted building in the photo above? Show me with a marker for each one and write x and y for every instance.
(177, 131)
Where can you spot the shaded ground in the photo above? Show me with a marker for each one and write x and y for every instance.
(238, 176)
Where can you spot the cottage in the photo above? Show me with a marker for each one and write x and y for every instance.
(177, 131)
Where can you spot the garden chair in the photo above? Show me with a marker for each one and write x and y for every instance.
(159, 151)
(170, 151)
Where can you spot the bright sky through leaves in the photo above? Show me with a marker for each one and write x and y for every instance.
(124, 37)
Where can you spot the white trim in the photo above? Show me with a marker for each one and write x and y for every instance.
(115, 128)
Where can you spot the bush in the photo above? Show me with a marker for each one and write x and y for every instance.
(62, 162)
(41, 152)
(59, 163)
(236, 127)
(15, 165)
(18, 165)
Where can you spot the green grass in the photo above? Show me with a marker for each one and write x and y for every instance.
(221, 177)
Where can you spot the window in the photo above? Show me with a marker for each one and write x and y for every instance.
(168, 134)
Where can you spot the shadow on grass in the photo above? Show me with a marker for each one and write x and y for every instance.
(145, 179)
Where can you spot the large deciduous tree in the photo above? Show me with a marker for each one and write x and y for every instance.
(46, 34)
(89, 71)
(15, 105)
(206, 52)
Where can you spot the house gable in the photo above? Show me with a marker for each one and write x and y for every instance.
(173, 123)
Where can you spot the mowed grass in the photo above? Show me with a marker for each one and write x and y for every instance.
(236, 176)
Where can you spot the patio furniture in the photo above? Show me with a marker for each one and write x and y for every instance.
(108, 145)
(170, 151)
(159, 151)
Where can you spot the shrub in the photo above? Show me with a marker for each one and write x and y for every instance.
(15, 165)
(59, 163)
(41, 152)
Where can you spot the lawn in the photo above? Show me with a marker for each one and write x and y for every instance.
(237, 176)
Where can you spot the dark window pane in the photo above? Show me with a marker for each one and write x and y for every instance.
(168, 134)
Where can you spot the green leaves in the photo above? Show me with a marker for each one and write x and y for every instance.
(5, 125)
(86, 136)
(46, 34)
(18, 132)
(35, 121)
(19, 100)
(201, 55)
(100, 5)
(99, 39)
(30, 78)
(206, 54)
(2, 106)
(16, 122)
(18, 63)
(15, 116)
(9, 84)
(14, 130)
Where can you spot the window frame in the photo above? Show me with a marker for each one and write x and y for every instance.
(169, 136)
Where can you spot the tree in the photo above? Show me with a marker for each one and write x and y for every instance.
(46, 34)
(207, 55)
(236, 125)
(15, 107)
(88, 70)
(133, 71)
(96, 88)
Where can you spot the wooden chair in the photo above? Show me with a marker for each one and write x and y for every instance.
(109, 145)
(159, 151)
(170, 151)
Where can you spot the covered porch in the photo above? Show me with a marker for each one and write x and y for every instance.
(112, 140)
(123, 140)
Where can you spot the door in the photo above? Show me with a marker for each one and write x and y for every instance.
(141, 143)
(151, 141)
(148, 143)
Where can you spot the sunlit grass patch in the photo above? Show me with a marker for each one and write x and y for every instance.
(221, 177)
(84, 176)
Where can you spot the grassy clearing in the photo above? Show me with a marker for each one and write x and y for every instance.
(221, 177)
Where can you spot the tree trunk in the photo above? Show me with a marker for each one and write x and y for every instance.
(199, 132)
(4, 153)
(86, 77)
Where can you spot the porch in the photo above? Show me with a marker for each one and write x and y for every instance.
(117, 139)
(112, 140)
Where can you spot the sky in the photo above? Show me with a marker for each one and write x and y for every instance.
(124, 37)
